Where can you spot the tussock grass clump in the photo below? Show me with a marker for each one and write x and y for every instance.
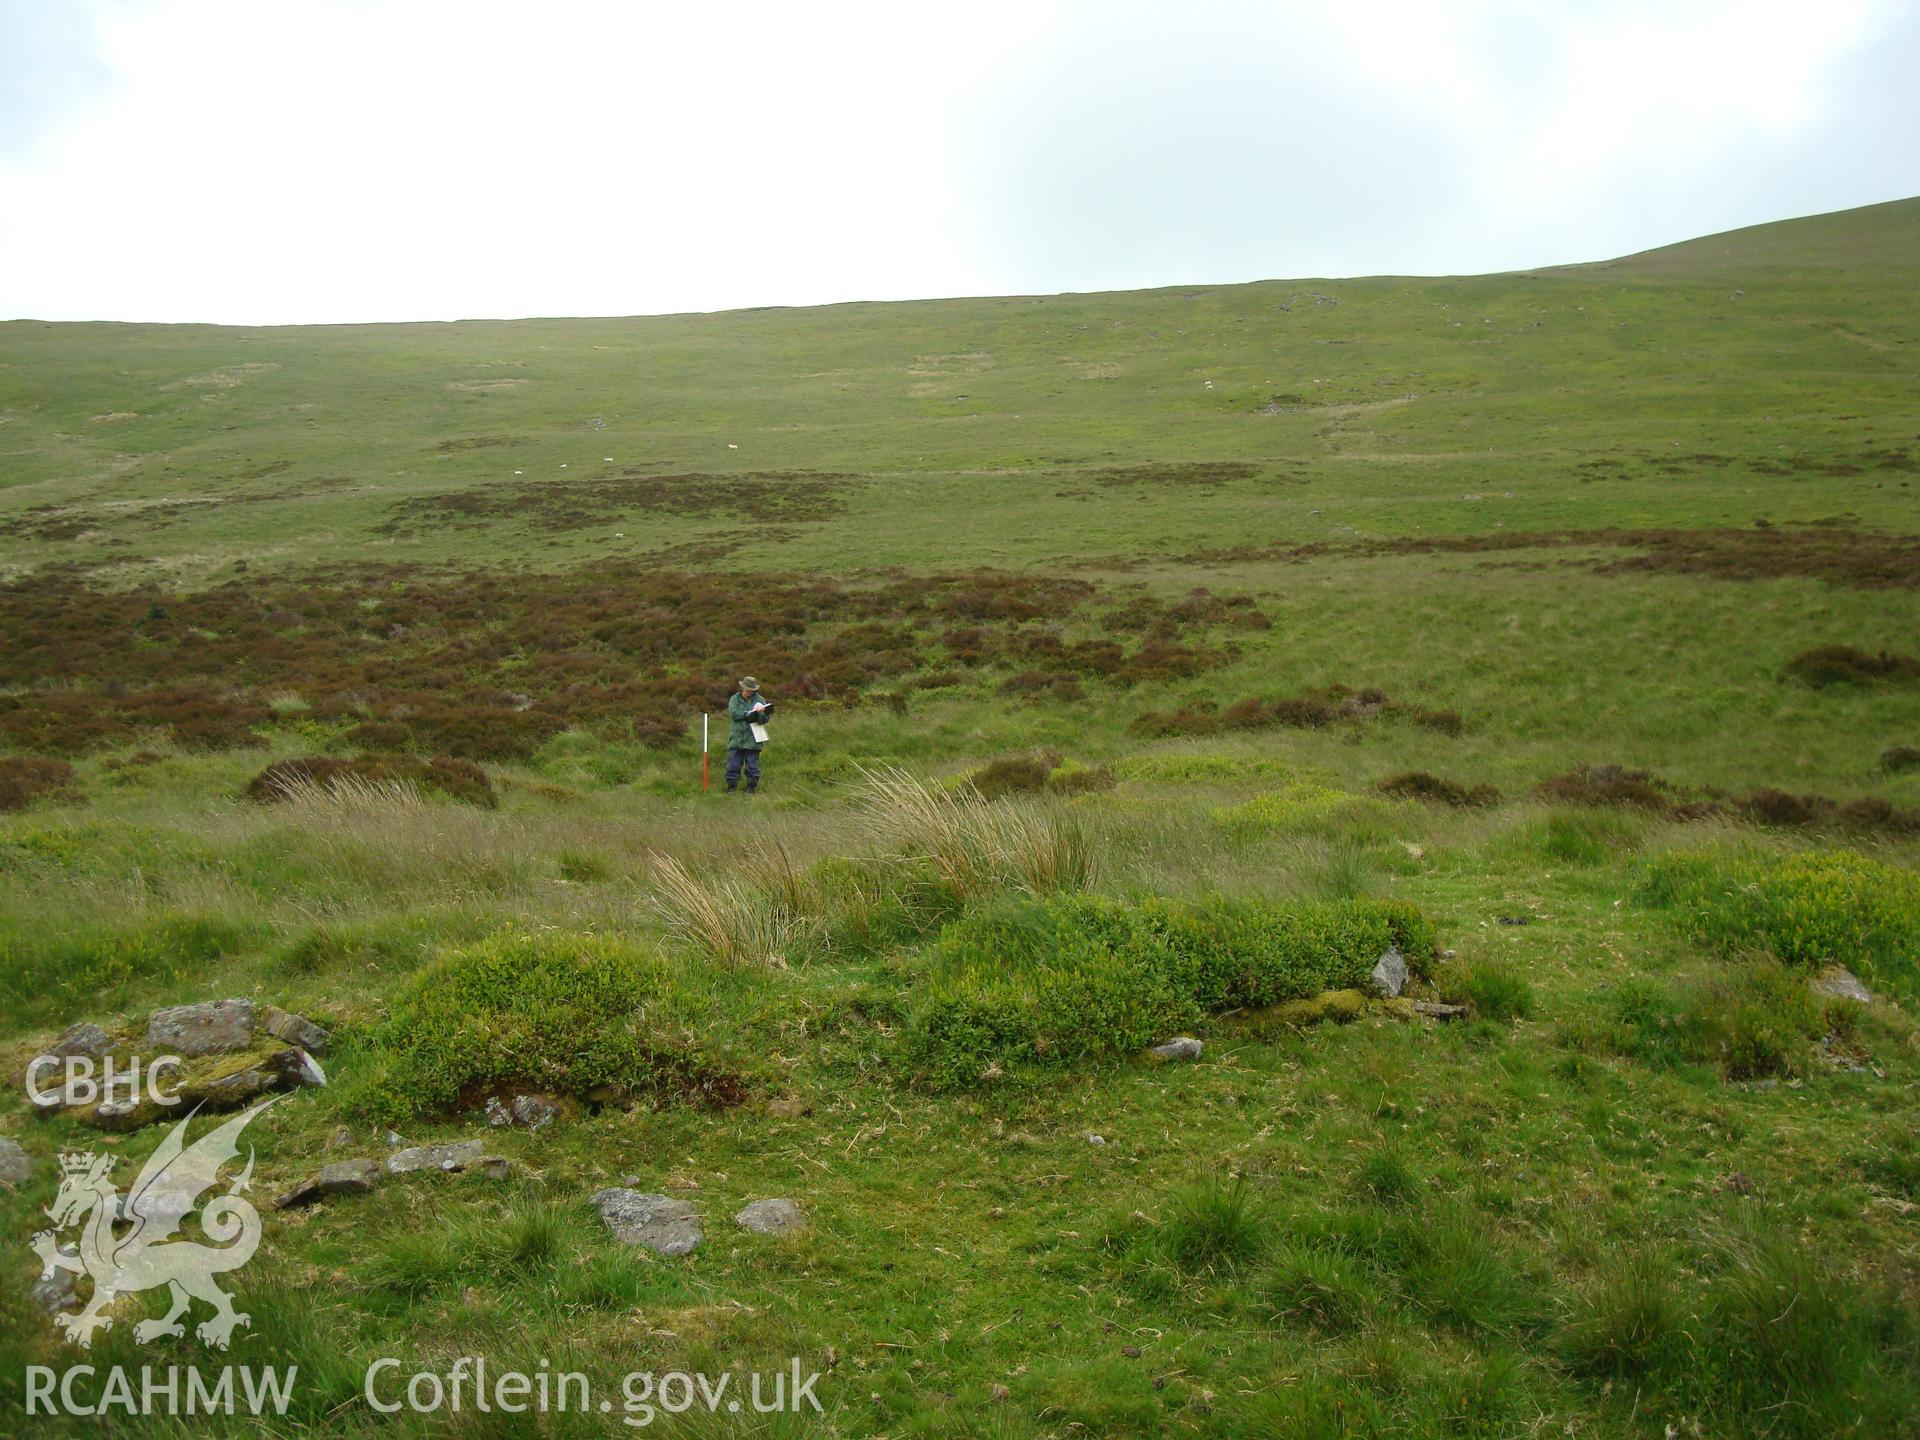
(27, 778)
(557, 1012)
(1460, 1274)
(1386, 1177)
(521, 1240)
(1756, 1022)
(1078, 977)
(371, 778)
(1419, 785)
(1586, 838)
(1214, 1226)
(1843, 665)
(732, 922)
(1896, 759)
(1322, 1286)
(1789, 1345)
(1496, 989)
(975, 847)
(1631, 1322)
(1812, 909)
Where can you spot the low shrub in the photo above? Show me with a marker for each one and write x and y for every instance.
(1299, 806)
(27, 778)
(1013, 775)
(557, 1012)
(1811, 909)
(1419, 785)
(1843, 665)
(1079, 977)
(1866, 813)
(1609, 785)
(1076, 780)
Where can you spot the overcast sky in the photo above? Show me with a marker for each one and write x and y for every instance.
(272, 161)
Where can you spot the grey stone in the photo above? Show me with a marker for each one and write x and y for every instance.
(213, 1027)
(1390, 972)
(54, 1293)
(529, 1112)
(771, 1217)
(309, 1071)
(16, 1166)
(1180, 1047)
(435, 1157)
(340, 1139)
(532, 1111)
(342, 1177)
(1433, 1010)
(294, 1029)
(1096, 1139)
(658, 1222)
(230, 1092)
(1842, 984)
(121, 1113)
(50, 1098)
(285, 1069)
(395, 1140)
(82, 1039)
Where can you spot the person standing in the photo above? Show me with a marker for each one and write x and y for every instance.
(746, 708)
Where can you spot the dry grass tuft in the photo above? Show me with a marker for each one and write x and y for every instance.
(978, 847)
(729, 921)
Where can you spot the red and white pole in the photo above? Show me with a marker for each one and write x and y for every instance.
(703, 752)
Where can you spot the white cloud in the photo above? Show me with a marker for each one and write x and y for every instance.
(346, 160)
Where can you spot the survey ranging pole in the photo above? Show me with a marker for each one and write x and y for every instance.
(703, 752)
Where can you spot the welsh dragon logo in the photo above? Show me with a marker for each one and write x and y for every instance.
(126, 1245)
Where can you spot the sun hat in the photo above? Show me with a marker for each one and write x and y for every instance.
(749, 683)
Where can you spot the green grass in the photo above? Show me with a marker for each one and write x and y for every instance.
(1653, 1184)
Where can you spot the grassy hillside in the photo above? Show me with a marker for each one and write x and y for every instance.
(1146, 663)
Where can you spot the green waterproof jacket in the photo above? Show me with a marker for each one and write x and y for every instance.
(739, 737)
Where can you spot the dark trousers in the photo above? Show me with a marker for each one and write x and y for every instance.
(736, 758)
